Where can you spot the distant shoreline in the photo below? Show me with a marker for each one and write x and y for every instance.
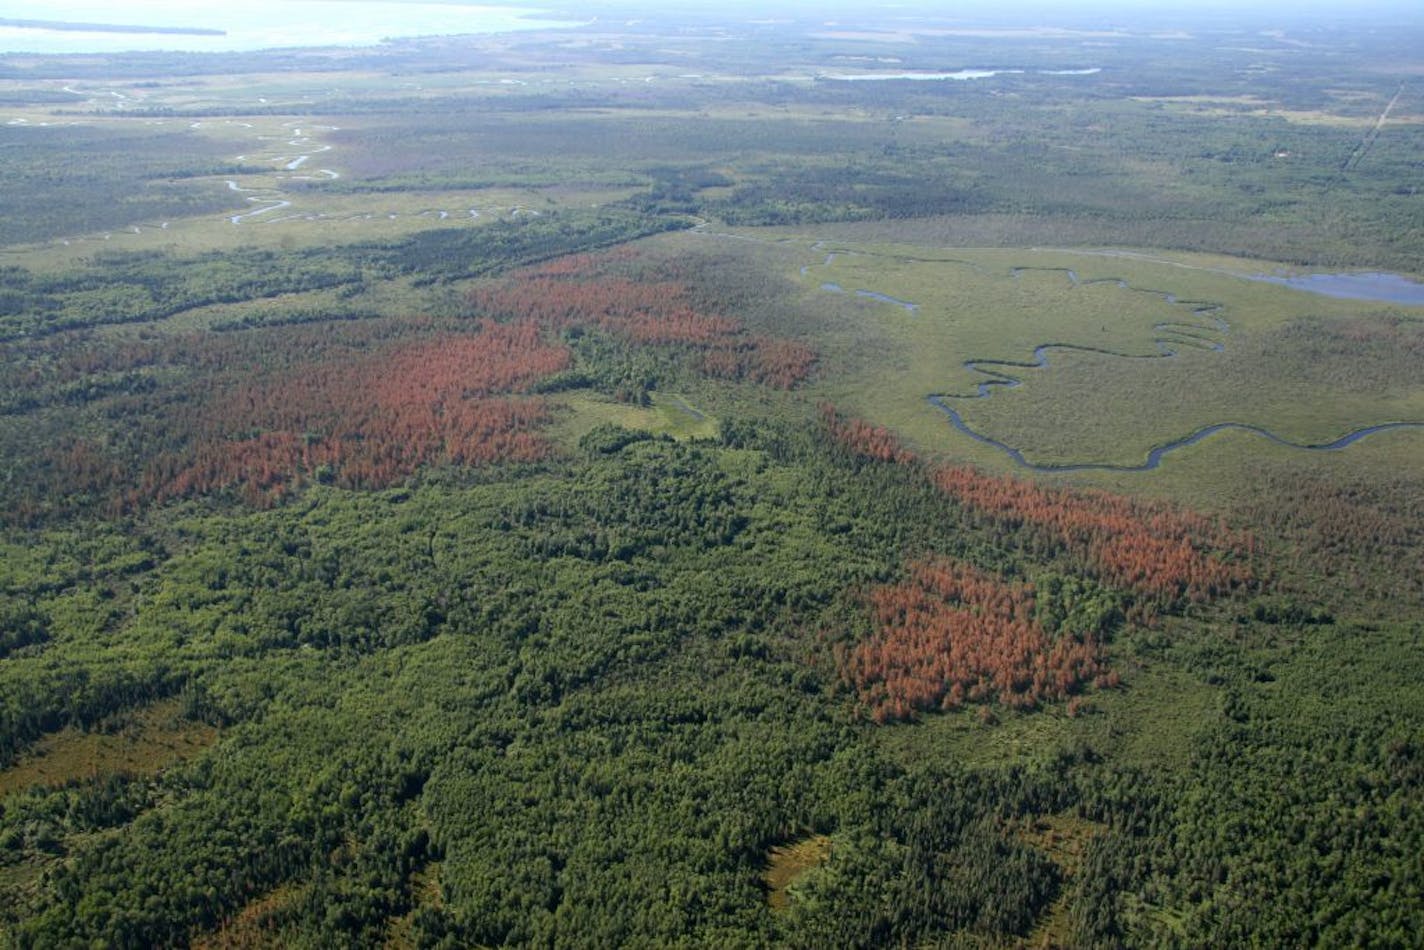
(163, 26)
(108, 27)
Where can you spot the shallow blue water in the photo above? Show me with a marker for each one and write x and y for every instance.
(1385, 288)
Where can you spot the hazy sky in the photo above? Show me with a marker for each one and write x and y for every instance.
(254, 24)
(249, 24)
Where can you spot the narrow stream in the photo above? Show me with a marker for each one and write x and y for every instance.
(1155, 455)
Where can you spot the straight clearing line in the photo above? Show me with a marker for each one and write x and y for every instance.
(1365, 143)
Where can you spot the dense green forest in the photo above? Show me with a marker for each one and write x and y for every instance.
(447, 498)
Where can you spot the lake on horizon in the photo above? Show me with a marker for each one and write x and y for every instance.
(254, 25)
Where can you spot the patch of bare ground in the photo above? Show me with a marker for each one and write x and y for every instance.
(1064, 840)
(424, 892)
(259, 924)
(789, 862)
(142, 742)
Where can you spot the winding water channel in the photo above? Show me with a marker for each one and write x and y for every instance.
(1172, 336)
(1156, 454)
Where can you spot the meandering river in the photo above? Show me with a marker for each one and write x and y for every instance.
(1156, 454)
(1172, 336)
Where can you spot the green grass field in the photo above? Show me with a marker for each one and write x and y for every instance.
(669, 414)
(1109, 394)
